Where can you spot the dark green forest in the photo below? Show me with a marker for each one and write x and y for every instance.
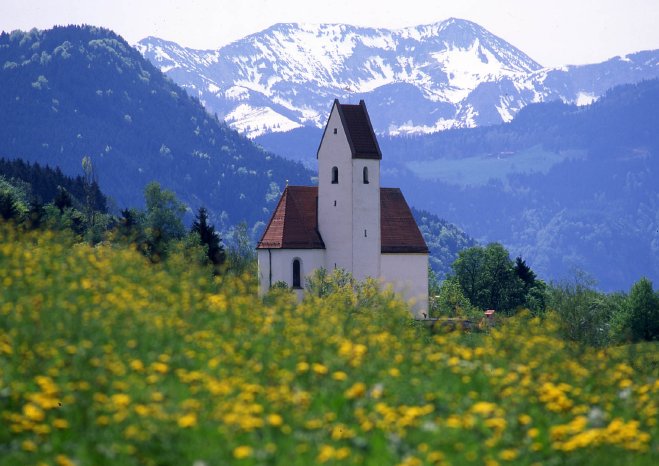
(34, 184)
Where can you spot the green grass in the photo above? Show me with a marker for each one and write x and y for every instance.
(108, 359)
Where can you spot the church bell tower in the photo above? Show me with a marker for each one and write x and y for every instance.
(349, 191)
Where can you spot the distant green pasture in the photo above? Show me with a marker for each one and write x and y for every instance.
(479, 169)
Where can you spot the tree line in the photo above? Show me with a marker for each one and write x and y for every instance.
(485, 277)
(35, 197)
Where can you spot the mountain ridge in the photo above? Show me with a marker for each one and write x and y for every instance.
(276, 65)
(420, 79)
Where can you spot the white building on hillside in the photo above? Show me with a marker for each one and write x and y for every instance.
(348, 221)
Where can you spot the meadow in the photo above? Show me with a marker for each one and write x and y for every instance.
(479, 170)
(106, 358)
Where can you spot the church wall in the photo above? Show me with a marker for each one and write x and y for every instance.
(282, 266)
(408, 274)
(366, 219)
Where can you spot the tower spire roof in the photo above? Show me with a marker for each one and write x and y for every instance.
(359, 130)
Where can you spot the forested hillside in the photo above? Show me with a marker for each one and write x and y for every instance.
(71, 92)
(444, 240)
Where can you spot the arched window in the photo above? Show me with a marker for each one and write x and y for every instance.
(365, 175)
(296, 274)
(335, 175)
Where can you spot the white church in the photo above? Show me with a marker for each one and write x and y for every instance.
(348, 221)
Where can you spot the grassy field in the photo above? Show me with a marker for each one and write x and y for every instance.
(479, 169)
(108, 359)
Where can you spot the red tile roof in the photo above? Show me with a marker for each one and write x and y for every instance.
(359, 131)
(294, 224)
(398, 229)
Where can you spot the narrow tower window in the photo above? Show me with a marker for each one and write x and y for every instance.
(334, 130)
(296, 273)
(365, 175)
(335, 175)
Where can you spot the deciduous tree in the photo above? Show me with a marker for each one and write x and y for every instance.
(643, 311)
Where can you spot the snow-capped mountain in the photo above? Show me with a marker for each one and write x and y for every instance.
(419, 79)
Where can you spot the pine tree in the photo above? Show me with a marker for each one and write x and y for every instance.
(525, 273)
(8, 208)
(62, 199)
(209, 237)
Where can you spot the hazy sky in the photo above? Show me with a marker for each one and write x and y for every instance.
(553, 32)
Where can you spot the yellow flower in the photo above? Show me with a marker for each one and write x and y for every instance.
(339, 375)
(142, 410)
(120, 400)
(483, 407)
(624, 383)
(508, 454)
(187, 420)
(357, 390)
(326, 453)
(342, 453)
(319, 369)
(137, 365)
(275, 420)
(28, 445)
(60, 423)
(242, 452)
(435, 456)
(313, 424)
(496, 423)
(33, 413)
(160, 367)
(63, 460)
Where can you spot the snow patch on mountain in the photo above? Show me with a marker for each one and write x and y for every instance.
(236, 93)
(410, 128)
(585, 98)
(256, 121)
